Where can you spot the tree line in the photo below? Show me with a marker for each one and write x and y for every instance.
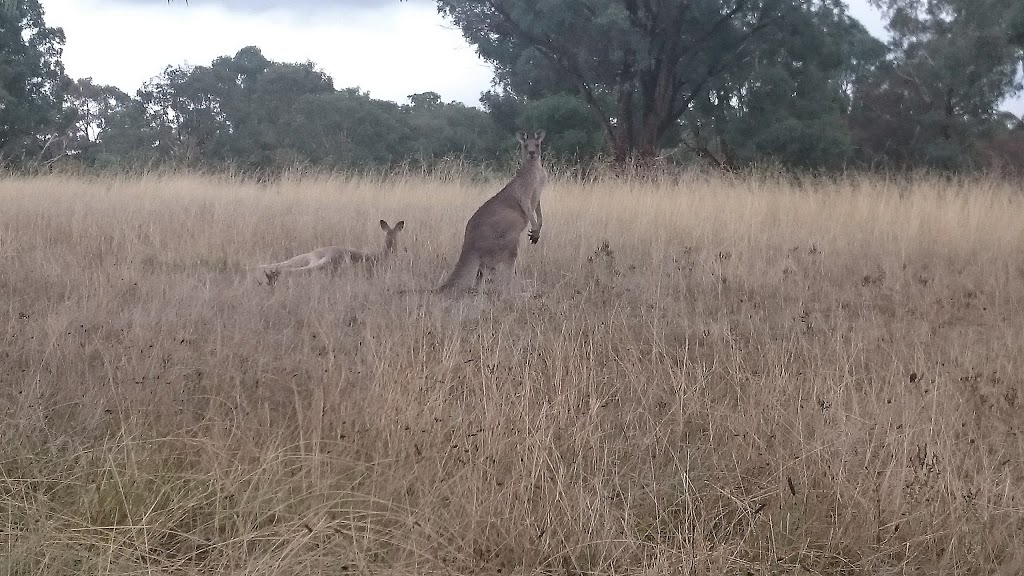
(727, 83)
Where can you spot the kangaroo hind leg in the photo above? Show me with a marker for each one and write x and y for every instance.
(292, 263)
(500, 272)
(318, 264)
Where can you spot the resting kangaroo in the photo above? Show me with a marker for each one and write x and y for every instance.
(336, 256)
(492, 233)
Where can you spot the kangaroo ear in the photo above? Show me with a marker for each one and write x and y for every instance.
(384, 226)
(521, 136)
(539, 135)
(399, 226)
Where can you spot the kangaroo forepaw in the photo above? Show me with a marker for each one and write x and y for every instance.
(534, 236)
(272, 276)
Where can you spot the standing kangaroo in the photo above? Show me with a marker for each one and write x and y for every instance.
(336, 256)
(492, 233)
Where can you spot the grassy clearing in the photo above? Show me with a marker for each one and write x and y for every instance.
(709, 376)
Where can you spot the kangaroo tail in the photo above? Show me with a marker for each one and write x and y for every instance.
(463, 276)
(420, 291)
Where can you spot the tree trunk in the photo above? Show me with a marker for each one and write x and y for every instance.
(624, 121)
(620, 150)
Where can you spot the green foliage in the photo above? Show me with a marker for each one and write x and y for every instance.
(186, 118)
(261, 100)
(732, 82)
(1015, 24)
(348, 128)
(452, 130)
(637, 65)
(32, 82)
(954, 62)
(579, 133)
(789, 105)
(110, 126)
(257, 114)
(236, 110)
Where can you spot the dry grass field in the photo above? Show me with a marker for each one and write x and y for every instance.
(696, 375)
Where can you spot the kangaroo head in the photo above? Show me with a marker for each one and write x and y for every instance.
(391, 234)
(529, 148)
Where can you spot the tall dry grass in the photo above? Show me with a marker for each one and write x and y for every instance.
(707, 376)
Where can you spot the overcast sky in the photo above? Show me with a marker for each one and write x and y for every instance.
(390, 48)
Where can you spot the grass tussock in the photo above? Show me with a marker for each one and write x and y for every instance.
(703, 375)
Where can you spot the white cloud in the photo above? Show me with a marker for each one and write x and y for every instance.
(870, 17)
(394, 51)
(318, 6)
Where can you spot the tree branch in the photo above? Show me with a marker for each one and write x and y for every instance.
(714, 71)
(549, 48)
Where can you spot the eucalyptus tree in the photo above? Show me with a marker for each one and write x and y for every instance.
(32, 82)
(637, 65)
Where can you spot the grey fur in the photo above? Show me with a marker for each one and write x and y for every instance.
(492, 233)
(336, 256)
